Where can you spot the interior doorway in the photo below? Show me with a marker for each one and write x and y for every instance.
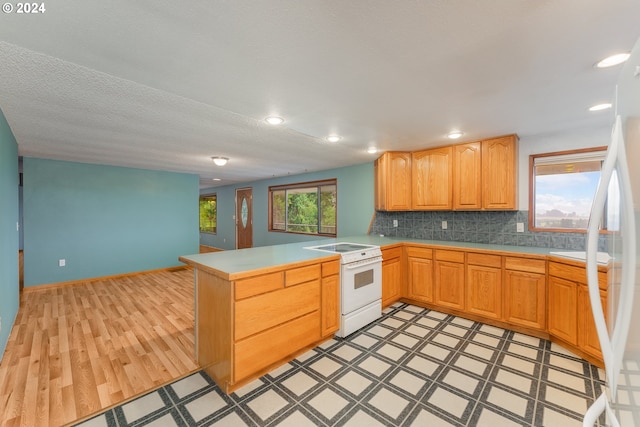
(244, 218)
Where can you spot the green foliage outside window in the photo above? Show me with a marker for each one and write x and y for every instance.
(208, 214)
(308, 209)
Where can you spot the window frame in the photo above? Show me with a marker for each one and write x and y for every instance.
(532, 189)
(318, 184)
(203, 197)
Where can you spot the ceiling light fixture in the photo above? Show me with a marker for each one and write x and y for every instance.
(600, 107)
(220, 161)
(334, 138)
(612, 60)
(274, 120)
(217, 179)
(454, 135)
(372, 150)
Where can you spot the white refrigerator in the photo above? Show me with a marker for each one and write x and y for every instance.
(617, 201)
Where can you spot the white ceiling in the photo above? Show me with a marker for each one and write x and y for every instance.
(165, 85)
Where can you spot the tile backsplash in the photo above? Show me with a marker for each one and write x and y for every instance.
(493, 227)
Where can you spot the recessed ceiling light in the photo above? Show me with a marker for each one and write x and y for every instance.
(372, 150)
(274, 120)
(220, 161)
(612, 60)
(600, 107)
(454, 135)
(217, 179)
(334, 138)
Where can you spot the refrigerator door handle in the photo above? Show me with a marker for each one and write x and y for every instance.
(612, 346)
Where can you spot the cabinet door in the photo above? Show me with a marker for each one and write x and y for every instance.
(587, 335)
(420, 278)
(499, 169)
(484, 291)
(563, 309)
(393, 181)
(449, 284)
(432, 179)
(467, 176)
(330, 304)
(524, 296)
(391, 276)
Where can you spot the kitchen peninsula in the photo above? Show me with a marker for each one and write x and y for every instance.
(258, 308)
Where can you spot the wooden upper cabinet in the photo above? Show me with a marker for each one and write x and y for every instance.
(432, 179)
(499, 173)
(393, 181)
(467, 164)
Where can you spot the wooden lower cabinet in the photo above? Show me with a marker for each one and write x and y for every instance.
(391, 275)
(419, 274)
(525, 292)
(449, 279)
(587, 335)
(330, 296)
(563, 309)
(569, 314)
(484, 285)
(246, 326)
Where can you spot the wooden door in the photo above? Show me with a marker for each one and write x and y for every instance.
(499, 170)
(467, 176)
(525, 299)
(393, 181)
(391, 276)
(420, 274)
(587, 335)
(431, 179)
(563, 309)
(244, 218)
(484, 291)
(449, 279)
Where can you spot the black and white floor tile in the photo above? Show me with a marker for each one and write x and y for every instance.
(413, 367)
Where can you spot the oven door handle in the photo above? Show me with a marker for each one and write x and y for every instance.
(359, 264)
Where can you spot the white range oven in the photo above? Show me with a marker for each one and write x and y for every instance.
(360, 284)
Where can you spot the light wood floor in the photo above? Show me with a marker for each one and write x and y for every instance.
(79, 349)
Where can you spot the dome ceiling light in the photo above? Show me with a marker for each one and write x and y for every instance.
(333, 138)
(612, 60)
(600, 107)
(220, 161)
(274, 120)
(454, 135)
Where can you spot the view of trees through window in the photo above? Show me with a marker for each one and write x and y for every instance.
(208, 213)
(308, 208)
(564, 186)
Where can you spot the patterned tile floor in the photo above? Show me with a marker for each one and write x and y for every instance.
(413, 367)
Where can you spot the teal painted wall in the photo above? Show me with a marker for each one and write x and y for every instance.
(9, 291)
(355, 207)
(104, 220)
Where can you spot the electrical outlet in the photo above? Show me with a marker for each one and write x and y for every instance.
(395, 222)
(520, 227)
(62, 262)
(444, 225)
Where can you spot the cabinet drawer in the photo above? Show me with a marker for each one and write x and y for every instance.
(258, 285)
(575, 274)
(416, 252)
(525, 264)
(391, 253)
(301, 274)
(330, 268)
(259, 351)
(484, 260)
(262, 312)
(453, 256)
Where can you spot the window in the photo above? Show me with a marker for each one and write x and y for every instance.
(563, 186)
(307, 208)
(208, 213)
